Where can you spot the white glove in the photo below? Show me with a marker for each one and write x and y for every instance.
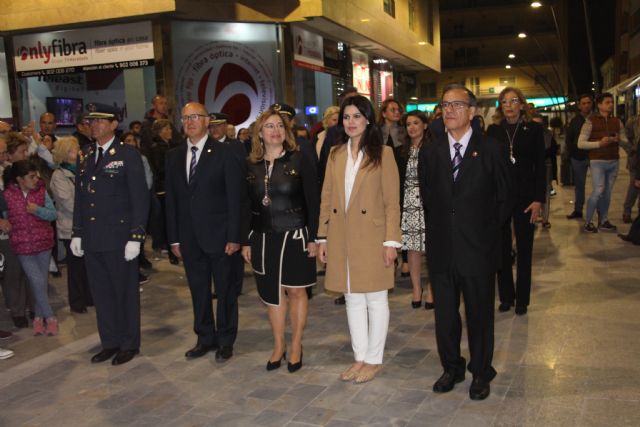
(76, 246)
(131, 250)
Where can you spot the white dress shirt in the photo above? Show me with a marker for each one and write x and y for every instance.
(200, 146)
(350, 173)
(464, 141)
(105, 147)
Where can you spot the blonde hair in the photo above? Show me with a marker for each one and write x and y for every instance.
(524, 112)
(257, 147)
(62, 147)
(330, 111)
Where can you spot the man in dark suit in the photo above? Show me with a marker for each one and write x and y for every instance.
(205, 187)
(218, 131)
(111, 210)
(464, 181)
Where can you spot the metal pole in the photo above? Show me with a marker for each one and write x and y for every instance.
(594, 70)
(562, 52)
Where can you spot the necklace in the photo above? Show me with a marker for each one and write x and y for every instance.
(268, 168)
(511, 138)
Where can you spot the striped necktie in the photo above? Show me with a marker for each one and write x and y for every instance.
(457, 160)
(194, 160)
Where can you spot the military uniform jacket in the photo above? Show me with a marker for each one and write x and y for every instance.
(111, 198)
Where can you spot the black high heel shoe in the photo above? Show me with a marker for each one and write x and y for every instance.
(292, 367)
(417, 304)
(275, 365)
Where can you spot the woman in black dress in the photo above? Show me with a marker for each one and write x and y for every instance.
(525, 142)
(281, 248)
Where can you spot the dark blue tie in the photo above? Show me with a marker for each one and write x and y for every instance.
(100, 151)
(194, 160)
(457, 160)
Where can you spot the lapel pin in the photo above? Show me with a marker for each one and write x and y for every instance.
(209, 150)
(474, 154)
(112, 151)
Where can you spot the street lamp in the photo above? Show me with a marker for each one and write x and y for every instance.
(536, 5)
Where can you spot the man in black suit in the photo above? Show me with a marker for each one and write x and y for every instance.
(218, 131)
(464, 181)
(110, 211)
(205, 187)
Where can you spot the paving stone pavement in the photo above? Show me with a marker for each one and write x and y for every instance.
(571, 361)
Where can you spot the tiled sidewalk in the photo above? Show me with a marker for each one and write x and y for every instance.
(572, 361)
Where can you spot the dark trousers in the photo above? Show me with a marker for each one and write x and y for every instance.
(237, 271)
(479, 294)
(200, 268)
(157, 222)
(521, 290)
(15, 287)
(77, 280)
(114, 286)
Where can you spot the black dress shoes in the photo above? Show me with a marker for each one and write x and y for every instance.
(339, 300)
(429, 305)
(624, 237)
(275, 365)
(124, 356)
(20, 321)
(173, 259)
(521, 310)
(105, 354)
(198, 351)
(504, 307)
(292, 367)
(80, 310)
(446, 382)
(224, 353)
(574, 215)
(479, 389)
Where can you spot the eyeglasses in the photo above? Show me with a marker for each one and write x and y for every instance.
(456, 105)
(514, 101)
(192, 117)
(272, 126)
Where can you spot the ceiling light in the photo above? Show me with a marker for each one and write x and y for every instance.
(511, 55)
(365, 20)
(522, 35)
(422, 43)
(536, 4)
(508, 67)
(414, 98)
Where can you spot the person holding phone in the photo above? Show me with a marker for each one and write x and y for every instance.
(602, 134)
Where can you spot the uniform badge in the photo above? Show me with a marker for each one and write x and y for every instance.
(112, 151)
(209, 150)
(474, 154)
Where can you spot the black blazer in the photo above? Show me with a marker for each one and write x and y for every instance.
(206, 211)
(529, 171)
(463, 218)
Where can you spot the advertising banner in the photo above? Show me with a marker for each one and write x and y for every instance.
(361, 74)
(228, 67)
(100, 48)
(307, 50)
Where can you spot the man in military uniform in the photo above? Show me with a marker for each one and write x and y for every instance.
(111, 208)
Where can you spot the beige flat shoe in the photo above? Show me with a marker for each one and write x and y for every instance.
(367, 373)
(352, 372)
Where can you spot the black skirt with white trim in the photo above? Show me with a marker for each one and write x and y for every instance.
(281, 259)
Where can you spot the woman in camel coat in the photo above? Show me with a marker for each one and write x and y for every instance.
(359, 232)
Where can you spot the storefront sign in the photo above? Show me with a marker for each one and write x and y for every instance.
(307, 50)
(99, 48)
(232, 77)
(361, 75)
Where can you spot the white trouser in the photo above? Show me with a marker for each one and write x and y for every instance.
(368, 316)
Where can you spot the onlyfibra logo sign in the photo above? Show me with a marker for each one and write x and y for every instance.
(98, 48)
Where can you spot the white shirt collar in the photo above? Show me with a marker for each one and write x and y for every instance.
(464, 141)
(199, 144)
(105, 147)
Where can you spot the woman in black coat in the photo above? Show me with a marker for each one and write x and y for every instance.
(527, 156)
